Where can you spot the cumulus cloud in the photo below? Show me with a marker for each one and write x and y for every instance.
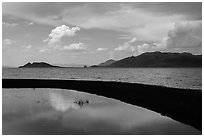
(54, 40)
(74, 47)
(8, 41)
(132, 40)
(127, 46)
(185, 35)
(102, 49)
(61, 31)
(143, 48)
(150, 47)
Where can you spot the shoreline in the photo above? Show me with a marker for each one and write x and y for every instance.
(183, 105)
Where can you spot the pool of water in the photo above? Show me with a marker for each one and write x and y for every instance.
(58, 111)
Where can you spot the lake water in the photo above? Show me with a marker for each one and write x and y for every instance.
(54, 111)
(171, 77)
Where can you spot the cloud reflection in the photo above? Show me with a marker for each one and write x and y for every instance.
(60, 103)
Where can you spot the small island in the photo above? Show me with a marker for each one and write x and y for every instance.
(38, 65)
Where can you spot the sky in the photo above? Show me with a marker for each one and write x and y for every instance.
(90, 33)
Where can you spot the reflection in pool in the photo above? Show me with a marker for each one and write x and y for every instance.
(55, 111)
(60, 103)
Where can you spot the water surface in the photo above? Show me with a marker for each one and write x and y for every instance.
(54, 111)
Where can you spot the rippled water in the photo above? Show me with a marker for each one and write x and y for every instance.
(54, 111)
(170, 77)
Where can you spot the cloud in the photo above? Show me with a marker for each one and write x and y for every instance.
(185, 35)
(43, 49)
(134, 21)
(132, 40)
(74, 47)
(111, 54)
(127, 46)
(145, 21)
(143, 48)
(10, 24)
(26, 47)
(54, 40)
(8, 41)
(31, 23)
(102, 49)
(150, 47)
(61, 31)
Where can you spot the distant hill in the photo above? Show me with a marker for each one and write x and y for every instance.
(159, 59)
(38, 65)
(105, 64)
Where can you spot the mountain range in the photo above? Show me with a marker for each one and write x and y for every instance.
(156, 59)
(148, 59)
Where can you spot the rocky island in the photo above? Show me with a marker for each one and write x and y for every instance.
(38, 65)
